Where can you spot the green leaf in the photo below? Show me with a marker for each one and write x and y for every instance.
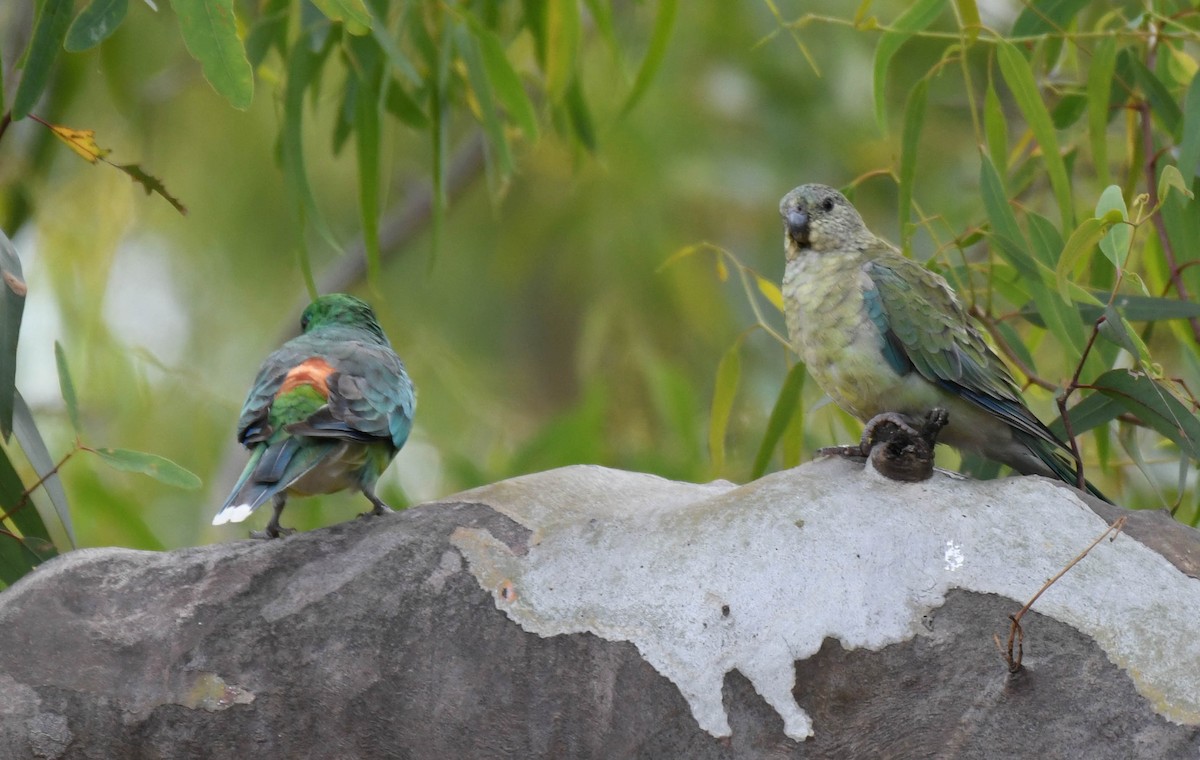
(995, 129)
(1081, 243)
(67, 386)
(1019, 78)
(729, 372)
(915, 18)
(351, 13)
(39, 457)
(1154, 405)
(1117, 331)
(563, 32)
(1094, 411)
(366, 143)
(1169, 178)
(1046, 16)
(664, 22)
(210, 34)
(1111, 206)
(95, 23)
(1132, 308)
(914, 120)
(505, 82)
(1068, 110)
(401, 105)
(395, 56)
(787, 407)
(27, 519)
(48, 33)
(1005, 233)
(968, 16)
(469, 49)
(1189, 147)
(160, 468)
(1162, 103)
(301, 67)
(12, 307)
(580, 116)
(1099, 87)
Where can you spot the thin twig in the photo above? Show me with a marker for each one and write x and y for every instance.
(24, 500)
(1015, 632)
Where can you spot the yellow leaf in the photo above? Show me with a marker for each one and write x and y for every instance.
(770, 291)
(82, 141)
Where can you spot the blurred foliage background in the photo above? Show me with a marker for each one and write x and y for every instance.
(532, 166)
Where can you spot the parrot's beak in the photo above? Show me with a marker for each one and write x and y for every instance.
(797, 226)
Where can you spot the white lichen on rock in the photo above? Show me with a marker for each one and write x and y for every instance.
(704, 579)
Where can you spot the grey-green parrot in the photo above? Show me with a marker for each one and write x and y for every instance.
(880, 333)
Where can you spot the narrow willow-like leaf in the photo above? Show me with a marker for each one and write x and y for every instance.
(787, 407)
(1080, 245)
(160, 468)
(67, 386)
(48, 33)
(563, 32)
(1046, 16)
(43, 464)
(505, 82)
(729, 372)
(366, 143)
(351, 13)
(12, 308)
(580, 116)
(395, 56)
(914, 121)
(95, 23)
(915, 18)
(1099, 87)
(1189, 147)
(301, 67)
(664, 22)
(1005, 232)
(1094, 411)
(995, 130)
(1019, 78)
(1154, 405)
(210, 34)
(1162, 103)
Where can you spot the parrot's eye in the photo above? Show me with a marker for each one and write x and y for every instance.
(827, 204)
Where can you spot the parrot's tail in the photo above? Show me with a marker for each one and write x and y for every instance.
(272, 469)
(1061, 466)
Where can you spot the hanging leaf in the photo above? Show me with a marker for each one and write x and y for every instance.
(159, 468)
(48, 33)
(918, 16)
(210, 34)
(1154, 405)
(95, 23)
(67, 387)
(914, 120)
(350, 13)
(664, 22)
(12, 307)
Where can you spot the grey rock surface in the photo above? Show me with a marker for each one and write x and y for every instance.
(427, 634)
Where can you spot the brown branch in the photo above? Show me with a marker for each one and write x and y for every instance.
(1015, 632)
(1080, 480)
(24, 501)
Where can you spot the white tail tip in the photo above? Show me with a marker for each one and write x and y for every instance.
(234, 513)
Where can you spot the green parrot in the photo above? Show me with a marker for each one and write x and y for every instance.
(328, 411)
(882, 334)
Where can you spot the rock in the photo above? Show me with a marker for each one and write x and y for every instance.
(819, 612)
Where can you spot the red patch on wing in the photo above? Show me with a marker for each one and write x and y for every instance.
(312, 372)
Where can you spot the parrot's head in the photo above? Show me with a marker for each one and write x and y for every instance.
(340, 309)
(818, 218)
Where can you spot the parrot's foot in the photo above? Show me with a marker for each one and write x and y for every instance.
(901, 451)
(379, 509)
(271, 532)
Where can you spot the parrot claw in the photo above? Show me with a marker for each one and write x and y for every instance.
(269, 534)
(380, 509)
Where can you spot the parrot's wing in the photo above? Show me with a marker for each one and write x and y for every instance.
(253, 426)
(925, 328)
(370, 398)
